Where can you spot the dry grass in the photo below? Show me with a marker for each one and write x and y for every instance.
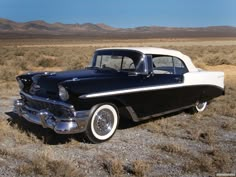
(212, 161)
(16, 60)
(18, 137)
(117, 167)
(4, 152)
(225, 105)
(113, 167)
(17, 57)
(160, 126)
(228, 126)
(171, 148)
(200, 163)
(43, 165)
(204, 134)
(140, 167)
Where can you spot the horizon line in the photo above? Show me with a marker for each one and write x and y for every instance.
(115, 26)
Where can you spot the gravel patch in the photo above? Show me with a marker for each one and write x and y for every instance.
(175, 145)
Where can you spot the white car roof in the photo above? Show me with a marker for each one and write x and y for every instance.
(159, 51)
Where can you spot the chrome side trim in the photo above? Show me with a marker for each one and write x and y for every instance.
(137, 119)
(141, 89)
(132, 90)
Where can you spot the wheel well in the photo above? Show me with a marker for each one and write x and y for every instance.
(122, 108)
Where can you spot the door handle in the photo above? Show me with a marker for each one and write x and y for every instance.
(178, 79)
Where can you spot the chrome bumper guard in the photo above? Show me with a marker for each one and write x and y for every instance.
(61, 125)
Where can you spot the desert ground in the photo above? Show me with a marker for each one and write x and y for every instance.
(180, 144)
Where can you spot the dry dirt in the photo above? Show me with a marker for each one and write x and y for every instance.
(179, 144)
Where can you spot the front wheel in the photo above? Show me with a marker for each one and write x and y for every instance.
(102, 124)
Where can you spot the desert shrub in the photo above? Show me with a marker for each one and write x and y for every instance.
(22, 63)
(201, 163)
(3, 55)
(76, 58)
(113, 167)
(19, 52)
(217, 59)
(32, 55)
(224, 105)
(172, 148)
(210, 55)
(138, 168)
(8, 73)
(46, 62)
(72, 63)
(209, 161)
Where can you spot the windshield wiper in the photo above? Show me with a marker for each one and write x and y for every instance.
(103, 68)
(93, 67)
(109, 68)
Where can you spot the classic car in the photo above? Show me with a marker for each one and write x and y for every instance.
(136, 83)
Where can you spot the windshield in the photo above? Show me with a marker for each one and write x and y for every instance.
(119, 60)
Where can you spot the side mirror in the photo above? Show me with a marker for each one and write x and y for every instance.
(150, 74)
(133, 73)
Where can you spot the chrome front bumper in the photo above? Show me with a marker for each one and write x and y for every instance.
(62, 125)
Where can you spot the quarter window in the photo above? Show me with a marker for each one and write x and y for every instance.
(179, 66)
(168, 65)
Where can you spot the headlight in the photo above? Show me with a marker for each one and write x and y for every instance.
(20, 83)
(63, 93)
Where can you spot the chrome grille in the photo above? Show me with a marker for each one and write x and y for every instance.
(40, 104)
(34, 88)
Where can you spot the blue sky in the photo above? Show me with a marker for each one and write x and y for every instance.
(124, 13)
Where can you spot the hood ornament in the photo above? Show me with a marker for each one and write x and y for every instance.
(48, 74)
(36, 77)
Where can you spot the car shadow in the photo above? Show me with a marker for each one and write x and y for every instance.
(46, 135)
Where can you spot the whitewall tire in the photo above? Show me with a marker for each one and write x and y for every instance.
(102, 124)
(200, 107)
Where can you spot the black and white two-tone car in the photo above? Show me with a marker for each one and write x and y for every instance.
(138, 83)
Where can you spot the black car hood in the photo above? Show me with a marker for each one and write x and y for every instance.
(48, 82)
(75, 74)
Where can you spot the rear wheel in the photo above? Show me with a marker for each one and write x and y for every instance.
(102, 124)
(199, 107)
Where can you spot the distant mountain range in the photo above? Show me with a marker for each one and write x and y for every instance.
(10, 28)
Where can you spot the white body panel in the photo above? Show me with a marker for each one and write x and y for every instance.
(204, 78)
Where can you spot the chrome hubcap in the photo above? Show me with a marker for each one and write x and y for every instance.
(103, 122)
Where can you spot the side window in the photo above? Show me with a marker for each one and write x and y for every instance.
(104, 61)
(128, 64)
(180, 67)
(98, 61)
(112, 62)
(163, 65)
